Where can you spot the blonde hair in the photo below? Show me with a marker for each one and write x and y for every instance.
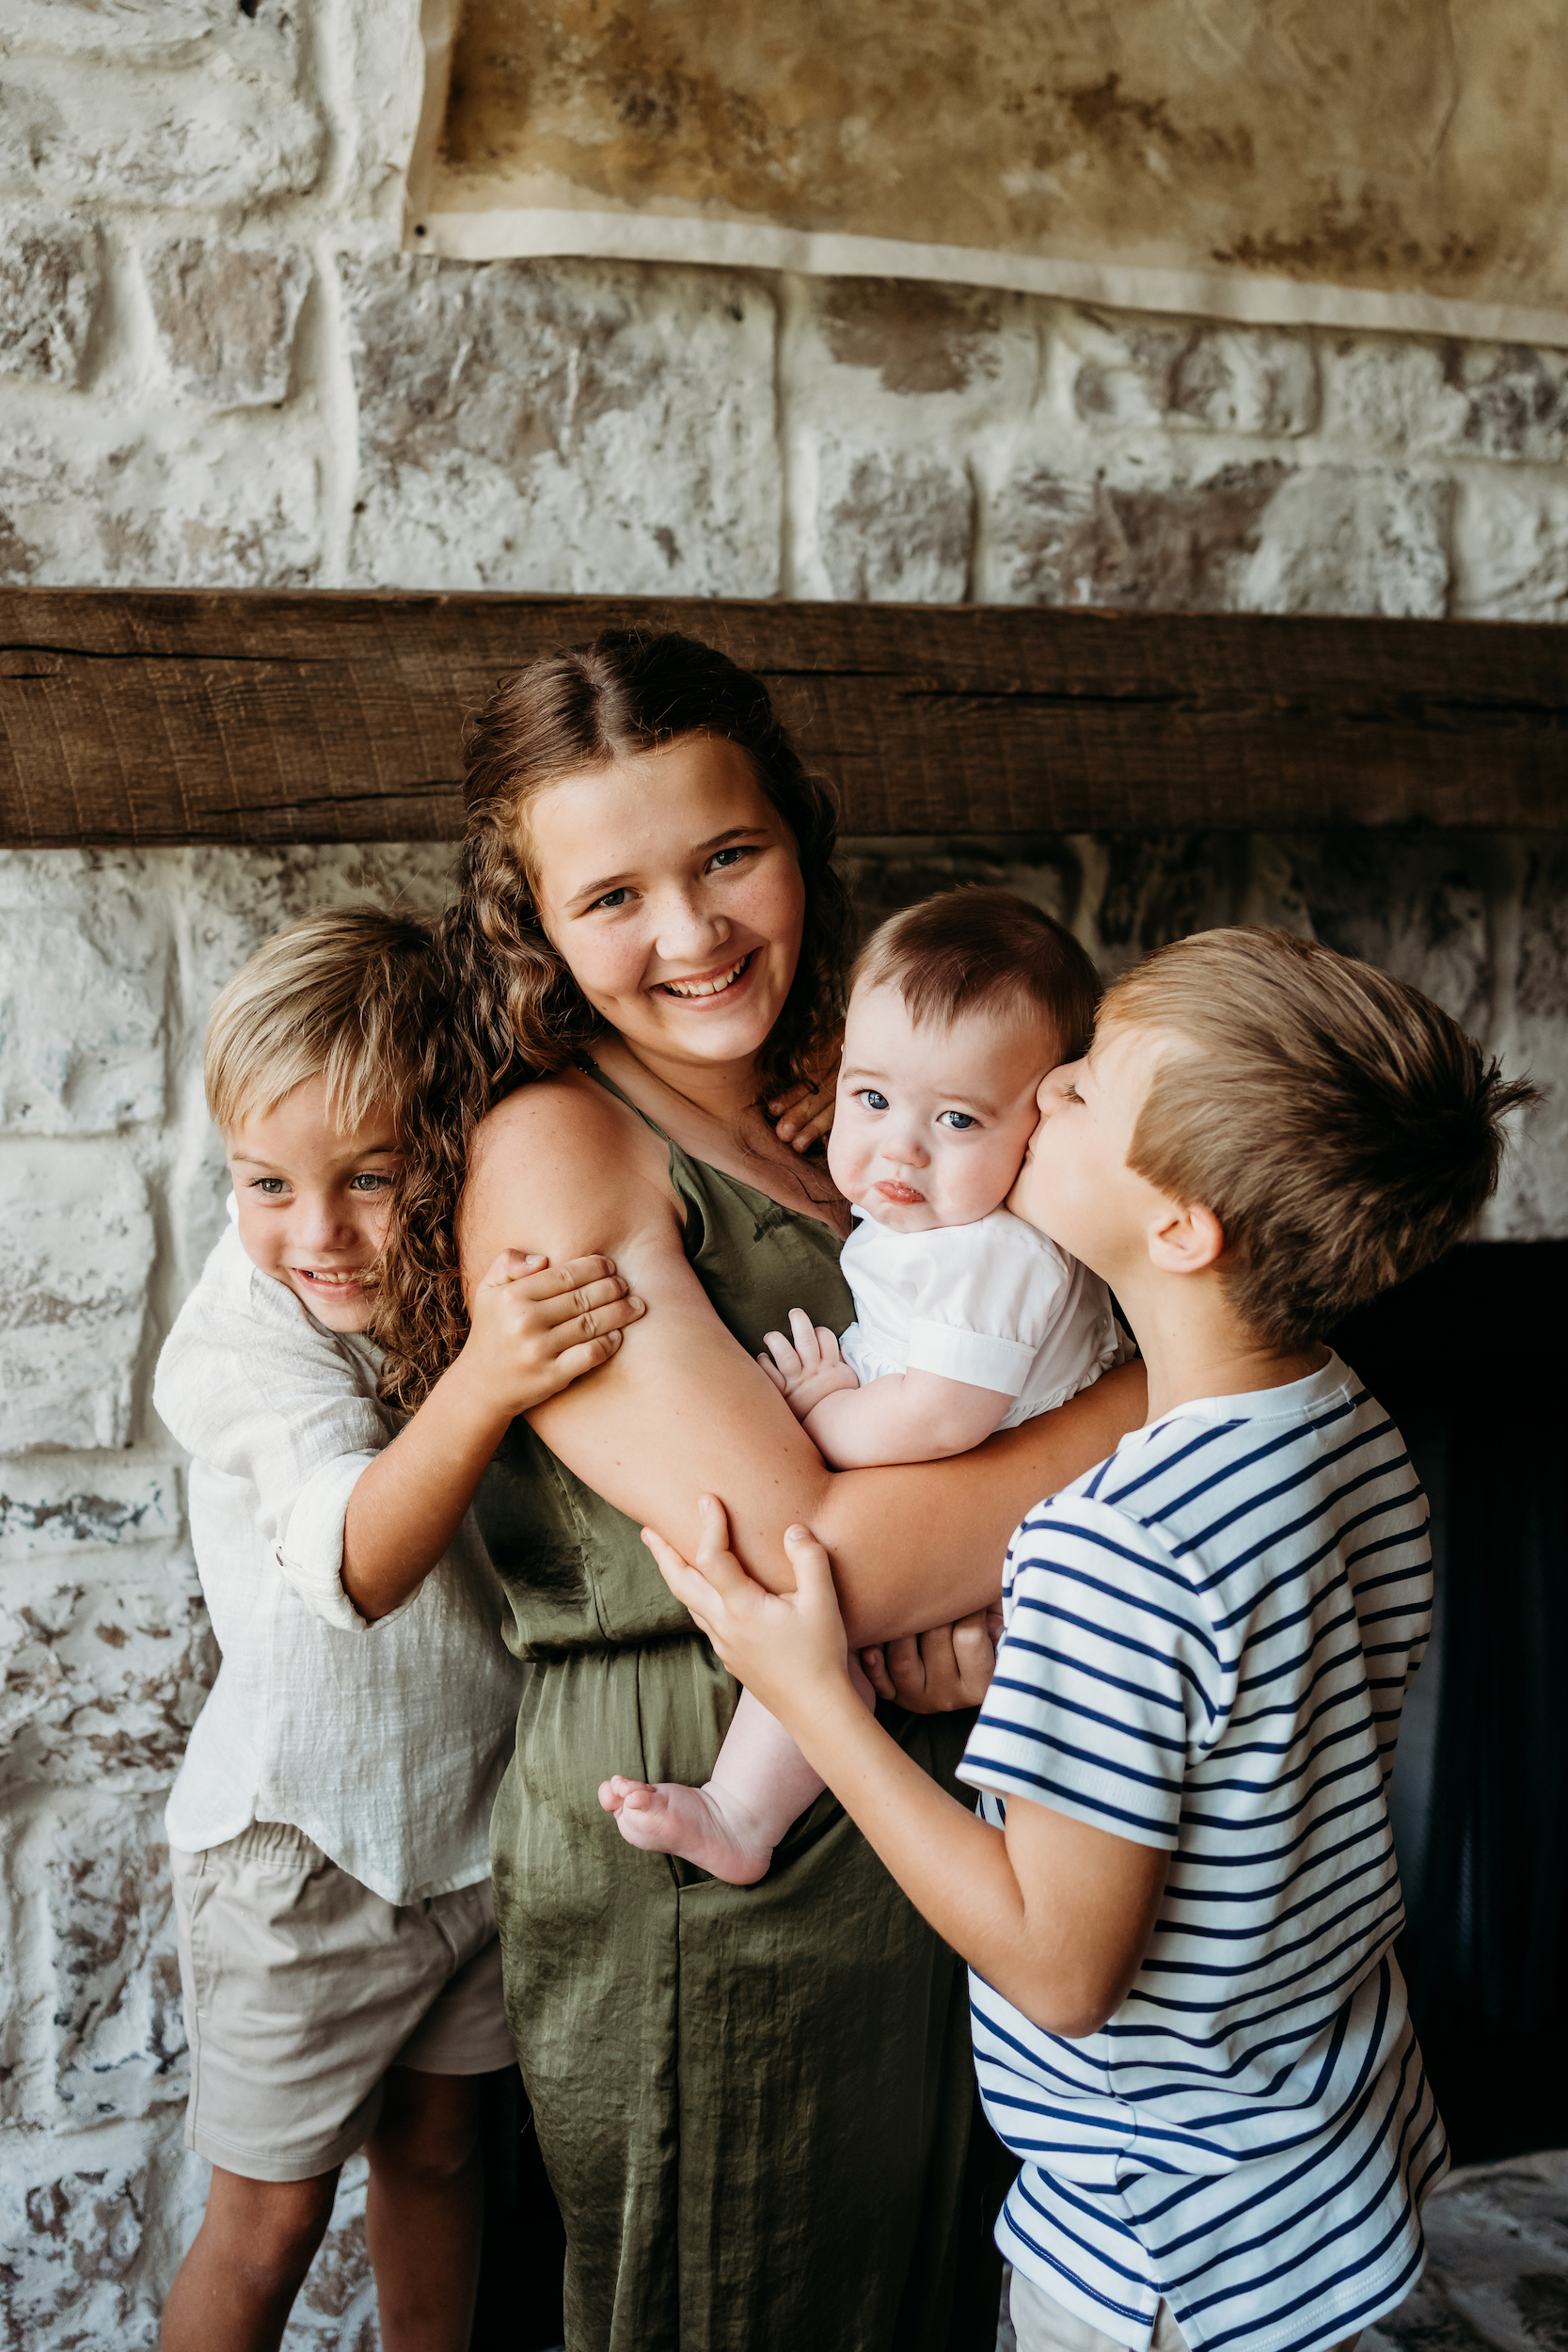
(349, 993)
(1343, 1130)
(976, 950)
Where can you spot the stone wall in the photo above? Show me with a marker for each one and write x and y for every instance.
(215, 368)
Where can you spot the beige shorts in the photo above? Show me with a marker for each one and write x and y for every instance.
(302, 1987)
(1041, 2324)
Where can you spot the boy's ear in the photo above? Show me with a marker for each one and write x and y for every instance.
(1186, 1240)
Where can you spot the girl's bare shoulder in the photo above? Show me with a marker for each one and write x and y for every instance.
(582, 1162)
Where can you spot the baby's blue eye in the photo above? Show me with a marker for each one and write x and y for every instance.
(873, 1101)
(956, 1118)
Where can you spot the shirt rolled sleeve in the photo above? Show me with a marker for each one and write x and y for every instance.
(311, 1554)
(978, 1358)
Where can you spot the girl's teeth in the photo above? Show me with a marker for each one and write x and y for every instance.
(705, 987)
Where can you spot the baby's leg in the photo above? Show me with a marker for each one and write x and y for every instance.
(730, 1826)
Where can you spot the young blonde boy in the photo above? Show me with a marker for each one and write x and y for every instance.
(1180, 1899)
(328, 1827)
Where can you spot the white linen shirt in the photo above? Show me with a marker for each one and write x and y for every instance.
(384, 1742)
(995, 1303)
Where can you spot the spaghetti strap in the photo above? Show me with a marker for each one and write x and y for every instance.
(589, 1068)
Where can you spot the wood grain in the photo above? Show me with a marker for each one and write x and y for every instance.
(140, 716)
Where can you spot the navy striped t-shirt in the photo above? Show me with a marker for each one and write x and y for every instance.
(1208, 1641)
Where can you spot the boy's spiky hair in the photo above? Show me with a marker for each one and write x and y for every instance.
(1341, 1127)
(976, 950)
(350, 992)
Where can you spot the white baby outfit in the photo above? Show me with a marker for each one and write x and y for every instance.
(994, 1303)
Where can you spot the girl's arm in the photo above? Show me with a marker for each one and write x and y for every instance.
(534, 1329)
(682, 1407)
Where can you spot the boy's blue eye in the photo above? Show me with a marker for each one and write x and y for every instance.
(270, 1187)
(873, 1101)
(956, 1118)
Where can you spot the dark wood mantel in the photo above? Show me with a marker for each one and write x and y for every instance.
(136, 717)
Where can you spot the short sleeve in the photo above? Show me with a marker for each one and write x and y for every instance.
(992, 1293)
(1109, 1679)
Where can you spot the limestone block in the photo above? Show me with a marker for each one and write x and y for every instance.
(1510, 547)
(1496, 2261)
(226, 318)
(564, 425)
(1132, 543)
(1140, 372)
(973, 350)
(146, 28)
(1480, 400)
(1337, 540)
(884, 876)
(893, 529)
(76, 1247)
(227, 128)
(94, 2031)
(1532, 1197)
(1420, 906)
(94, 499)
(83, 960)
(92, 2226)
(54, 1509)
(107, 1673)
(49, 285)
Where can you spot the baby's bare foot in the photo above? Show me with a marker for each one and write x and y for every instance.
(667, 1817)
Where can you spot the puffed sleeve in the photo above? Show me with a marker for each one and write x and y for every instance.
(990, 1295)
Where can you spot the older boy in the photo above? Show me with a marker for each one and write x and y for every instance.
(1180, 1899)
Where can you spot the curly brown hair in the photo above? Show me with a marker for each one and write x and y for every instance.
(512, 1010)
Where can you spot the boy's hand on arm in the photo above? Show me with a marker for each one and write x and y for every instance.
(806, 1112)
(938, 1672)
(534, 1329)
(1054, 1913)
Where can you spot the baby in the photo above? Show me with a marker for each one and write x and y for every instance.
(966, 1319)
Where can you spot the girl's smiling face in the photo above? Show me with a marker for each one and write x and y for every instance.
(932, 1121)
(314, 1203)
(671, 885)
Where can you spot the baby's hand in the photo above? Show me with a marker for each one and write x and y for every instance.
(535, 1328)
(810, 1370)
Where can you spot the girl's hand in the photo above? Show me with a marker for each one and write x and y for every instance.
(936, 1673)
(806, 1112)
(782, 1647)
(535, 1328)
(810, 1370)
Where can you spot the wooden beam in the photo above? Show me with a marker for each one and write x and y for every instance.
(138, 717)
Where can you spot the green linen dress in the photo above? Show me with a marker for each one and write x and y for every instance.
(754, 2103)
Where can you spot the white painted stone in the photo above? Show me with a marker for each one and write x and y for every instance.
(230, 131)
(89, 497)
(564, 425)
(1136, 374)
(139, 29)
(93, 2031)
(1333, 539)
(76, 1245)
(106, 1673)
(61, 1509)
(881, 350)
(225, 317)
(1510, 547)
(49, 289)
(891, 529)
(1472, 400)
(92, 2227)
(84, 957)
(1063, 533)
